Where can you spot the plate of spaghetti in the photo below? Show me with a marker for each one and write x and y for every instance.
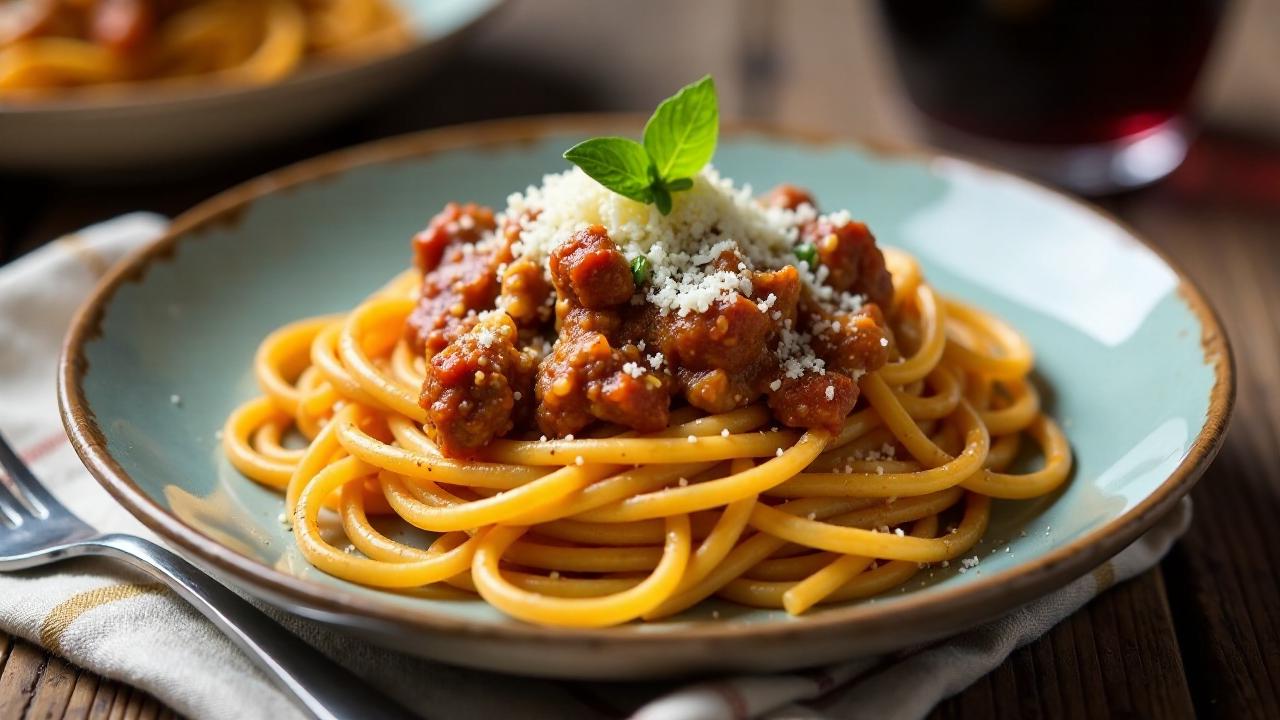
(97, 84)
(625, 416)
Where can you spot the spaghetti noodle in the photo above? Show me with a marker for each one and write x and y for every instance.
(47, 45)
(621, 524)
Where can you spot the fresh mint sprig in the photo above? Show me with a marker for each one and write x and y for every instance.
(679, 139)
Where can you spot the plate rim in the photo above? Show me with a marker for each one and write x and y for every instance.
(958, 607)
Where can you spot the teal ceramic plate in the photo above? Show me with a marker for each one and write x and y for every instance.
(162, 125)
(1133, 363)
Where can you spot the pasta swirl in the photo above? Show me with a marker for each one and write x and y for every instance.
(621, 526)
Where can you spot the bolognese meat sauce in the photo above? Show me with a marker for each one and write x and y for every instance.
(848, 250)
(496, 351)
(593, 371)
(459, 275)
(473, 385)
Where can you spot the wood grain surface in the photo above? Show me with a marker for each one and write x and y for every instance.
(1199, 636)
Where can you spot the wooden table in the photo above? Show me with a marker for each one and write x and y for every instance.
(1200, 635)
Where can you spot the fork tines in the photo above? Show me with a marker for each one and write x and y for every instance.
(22, 492)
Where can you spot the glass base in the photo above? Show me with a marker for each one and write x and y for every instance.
(1097, 169)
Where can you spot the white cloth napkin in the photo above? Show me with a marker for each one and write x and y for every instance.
(121, 625)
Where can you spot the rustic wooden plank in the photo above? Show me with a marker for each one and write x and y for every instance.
(35, 685)
(104, 697)
(80, 705)
(6, 649)
(1116, 658)
(18, 679)
(150, 709)
(120, 698)
(114, 701)
(132, 705)
(53, 692)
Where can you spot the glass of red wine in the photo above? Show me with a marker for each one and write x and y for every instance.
(1088, 94)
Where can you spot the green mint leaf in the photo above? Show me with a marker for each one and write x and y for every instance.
(620, 164)
(681, 135)
(679, 140)
(640, 270)
(662, 199)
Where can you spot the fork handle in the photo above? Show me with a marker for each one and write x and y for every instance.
(318, 685)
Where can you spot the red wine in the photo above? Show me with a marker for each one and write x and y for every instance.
(1051, 71)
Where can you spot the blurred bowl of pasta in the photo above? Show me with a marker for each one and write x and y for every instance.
(102, 85)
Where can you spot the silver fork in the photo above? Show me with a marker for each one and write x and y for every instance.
(35, 529)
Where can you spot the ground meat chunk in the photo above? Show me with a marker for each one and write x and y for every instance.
(787, 197)
(464, 283)
(451, 226)
(853, 261)
(525, 294)
(588, 270)
(722, 358)
(459, 253)
(717, 391)
(853, 343)
(727, 336)
(585, 378)
(717, 356)
(814, 401)
(639, 401)
(471, 386)
(783, 285)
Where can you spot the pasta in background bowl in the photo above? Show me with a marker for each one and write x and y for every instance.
(57, 47)
(105, 84)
